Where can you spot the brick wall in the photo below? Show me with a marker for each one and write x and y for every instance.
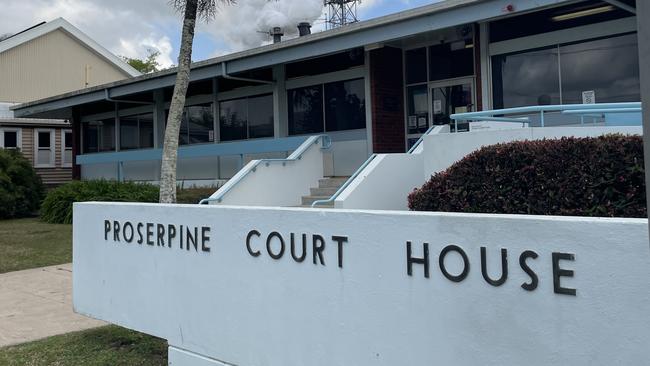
(387, 93)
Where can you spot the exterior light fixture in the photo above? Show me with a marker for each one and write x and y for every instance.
(583, 13)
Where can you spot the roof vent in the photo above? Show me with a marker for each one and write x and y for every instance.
(277, 34)
(304, 29)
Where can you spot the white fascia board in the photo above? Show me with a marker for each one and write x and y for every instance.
(75, 32)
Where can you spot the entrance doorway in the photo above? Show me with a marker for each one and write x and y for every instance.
(444, 99)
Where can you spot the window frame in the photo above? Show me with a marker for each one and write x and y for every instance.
(64, 163)
(324, 107)
(248, 132)
(52, 148)
(19, 137)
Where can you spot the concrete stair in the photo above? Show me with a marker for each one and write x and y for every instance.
(326, 188)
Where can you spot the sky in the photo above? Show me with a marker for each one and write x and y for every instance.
(131, 27)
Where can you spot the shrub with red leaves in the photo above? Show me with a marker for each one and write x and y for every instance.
(600, 176)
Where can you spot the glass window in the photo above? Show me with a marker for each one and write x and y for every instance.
(417, 108)
(306, 110)
(136, 132)
(145, 129)
(451, 60)
(609, 67)
(44, 140)
(89, 134)
(199, 120)
(250, 117)
(345, 105)
(416, 65)
(326, 64)
(10, 139)
(528, 78)
(44, 148)
(196, 124)
(232, 119)
(106, 131)
(129, 133)
(98, 136)
(260, 116)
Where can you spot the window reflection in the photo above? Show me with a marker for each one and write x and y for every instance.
(609, 67)
(306, 110)
(345, 105)
(244, 118)
(530, 78)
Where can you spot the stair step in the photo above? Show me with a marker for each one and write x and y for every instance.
(333, 182)
(308, 200)
(329, 191)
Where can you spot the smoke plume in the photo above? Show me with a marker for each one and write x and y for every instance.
(246, 24)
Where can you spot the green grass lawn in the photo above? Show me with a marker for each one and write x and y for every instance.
(30, 243)
(108, 345)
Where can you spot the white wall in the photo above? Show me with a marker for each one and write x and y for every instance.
(387, 183)
(276, 183)
(228, 305)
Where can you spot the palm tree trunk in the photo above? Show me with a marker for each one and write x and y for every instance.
(170, 147)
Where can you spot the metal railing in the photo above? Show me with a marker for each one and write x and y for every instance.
(498, 115)
(363, 167)
(217, 150)
(295, 156)
(346, 184)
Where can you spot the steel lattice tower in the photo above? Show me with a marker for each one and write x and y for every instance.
(341, 12)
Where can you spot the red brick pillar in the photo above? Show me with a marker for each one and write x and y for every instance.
(387, 98)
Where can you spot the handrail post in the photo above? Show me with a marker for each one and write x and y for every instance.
(541, 117)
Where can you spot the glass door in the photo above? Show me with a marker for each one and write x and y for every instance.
(451, 97)
(432, 104)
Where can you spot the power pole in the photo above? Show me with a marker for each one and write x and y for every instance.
(341, 12)
(643, 24)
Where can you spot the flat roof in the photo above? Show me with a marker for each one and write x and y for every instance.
(423, 19)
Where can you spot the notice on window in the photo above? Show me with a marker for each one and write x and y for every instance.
(422, 122)
(437, 106)
(589, 97)
(210, 135)
(413, 121)
(460, 110)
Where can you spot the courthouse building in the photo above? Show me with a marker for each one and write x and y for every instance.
(373, 87)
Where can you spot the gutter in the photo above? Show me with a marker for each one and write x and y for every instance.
(109, 99)
(224, 74)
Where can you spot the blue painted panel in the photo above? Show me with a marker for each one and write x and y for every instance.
(623, 119)
(205, 150)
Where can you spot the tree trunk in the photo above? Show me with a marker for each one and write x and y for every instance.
(170, 147)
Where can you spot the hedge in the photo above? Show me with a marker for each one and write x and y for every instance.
(601, 176)
(57, 206)
(21, 189)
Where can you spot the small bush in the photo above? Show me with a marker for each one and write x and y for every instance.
(21, 189)
(602, 176)
(57, 206)
(193, 195)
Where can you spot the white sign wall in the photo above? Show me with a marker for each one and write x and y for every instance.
(576, 290)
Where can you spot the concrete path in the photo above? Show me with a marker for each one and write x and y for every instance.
(37, 303)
